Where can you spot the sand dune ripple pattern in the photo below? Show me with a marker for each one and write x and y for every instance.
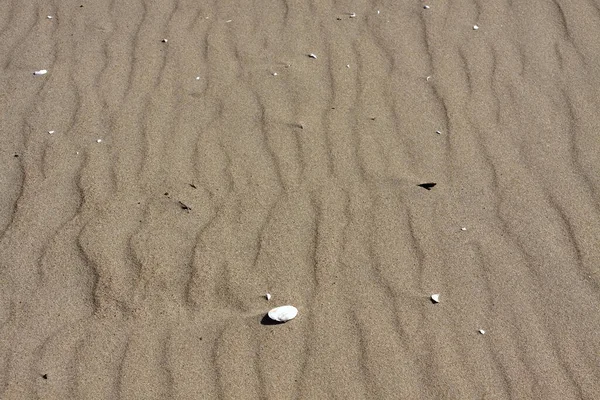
(185, 178)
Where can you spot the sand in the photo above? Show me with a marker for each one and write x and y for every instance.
(187, 178)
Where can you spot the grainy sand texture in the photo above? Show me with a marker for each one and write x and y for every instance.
(182, 158)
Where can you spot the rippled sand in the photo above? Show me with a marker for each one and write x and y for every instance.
(231, 164)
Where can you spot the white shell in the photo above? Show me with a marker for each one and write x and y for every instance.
(49, 17)
(283, 313)
(268, 296)
(98, 140)
(40, 72)
(352, 15)
(482, 331)
(475, 27)
(463, 229)
(313, 55)
(435, 298)
(426, 7)
(51, 132)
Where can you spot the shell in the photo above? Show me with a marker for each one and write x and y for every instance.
(313, 55)
(268, 296)
(435, 298)
(482, 331)
(40, 72)
(475, 27)
(283, 313)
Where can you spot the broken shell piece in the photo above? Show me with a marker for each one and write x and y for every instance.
(40, 72)
(283, 313)
(51, 132)
(481, 331)
(435, 298)
(313, 55)
(438, 132)
(268, 296)
(463, 229)
(475, 27)
(197, 78)
(352, 15)
(98, 140)
(426, 7)
(164, 40)
(49, 17)
(274, 73)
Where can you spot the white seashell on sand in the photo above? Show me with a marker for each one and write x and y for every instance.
(268, 296)
(435, 298)
(49, 17)
(426, 7)
(352, 15)
(283, 313)
(313, 55)
(51, 132)
(98, 140)
(40, 72)
(475, 27)
(482, 331)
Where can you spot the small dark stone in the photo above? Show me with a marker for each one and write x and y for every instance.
(338, 18)
(194, 186)
(184, 207)
(427, 186)
(45, 376)
(372, 118)
(81, 6)
(166, 193)
(16, 155)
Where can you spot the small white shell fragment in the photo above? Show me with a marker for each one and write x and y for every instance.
(377, 12)
(98, 140)
(268, 296)
(426, 7)
(40, 72)
(274, 73)
(463, 229)
(481, 331)
(51, 132)
(229, 20)
(475, 27)
(164, 40)
(49, 17)
(313, 55)
(435, 298)
(352, 15)
(197, 78)
(428, 78)
(283, 313)
(438, 132)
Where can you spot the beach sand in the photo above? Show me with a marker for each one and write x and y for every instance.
(185, 179)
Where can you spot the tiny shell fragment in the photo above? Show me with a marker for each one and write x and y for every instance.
(283, 313)
(40, 72)
(268, 296)
(435, 298)
(313, 55)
